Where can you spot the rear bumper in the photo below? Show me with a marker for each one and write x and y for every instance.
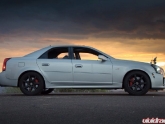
(6, 82)
(1, 79)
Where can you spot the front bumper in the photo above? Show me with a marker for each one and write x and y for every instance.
(157, 81)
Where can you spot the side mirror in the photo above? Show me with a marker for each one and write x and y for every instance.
(103, 58)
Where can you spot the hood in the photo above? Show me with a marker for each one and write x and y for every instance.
(131, 62)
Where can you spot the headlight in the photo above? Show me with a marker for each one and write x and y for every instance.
(158, 69)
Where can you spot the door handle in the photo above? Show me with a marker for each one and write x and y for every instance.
(45, 64)
(78, 66)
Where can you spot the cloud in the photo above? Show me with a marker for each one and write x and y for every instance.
(83, 19)
(161, 63)
(122, 28)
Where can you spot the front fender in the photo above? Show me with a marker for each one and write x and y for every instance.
(119, 72)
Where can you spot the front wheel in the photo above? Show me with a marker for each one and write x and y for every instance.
(31, 83)
(137, 83)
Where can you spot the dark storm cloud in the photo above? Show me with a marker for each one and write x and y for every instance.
(84, 18)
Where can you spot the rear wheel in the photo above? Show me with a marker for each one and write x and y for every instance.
(137, 83)
(47, 91)
(31, 83)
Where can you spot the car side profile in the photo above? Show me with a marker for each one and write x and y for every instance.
(70, 66)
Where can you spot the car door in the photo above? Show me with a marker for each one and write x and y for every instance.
(88, 70)
(102, 72)
(56, 66)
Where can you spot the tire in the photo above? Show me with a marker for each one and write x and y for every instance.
(47, 91)
(137, 83)
(31, 83)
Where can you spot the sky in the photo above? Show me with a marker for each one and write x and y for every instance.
(125, 29)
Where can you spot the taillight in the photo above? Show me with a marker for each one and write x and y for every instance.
(4, 64)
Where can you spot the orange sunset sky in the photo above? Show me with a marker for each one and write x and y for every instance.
(123, 29)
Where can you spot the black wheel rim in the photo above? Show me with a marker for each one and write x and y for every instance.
(137, 82)
(30, 83)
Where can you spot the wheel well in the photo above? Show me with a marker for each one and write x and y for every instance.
(133, 71)
(27, 72)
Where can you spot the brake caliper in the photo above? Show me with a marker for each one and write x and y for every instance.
(36, 80)
(131, 81)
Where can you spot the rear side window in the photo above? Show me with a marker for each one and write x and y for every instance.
(56, 53)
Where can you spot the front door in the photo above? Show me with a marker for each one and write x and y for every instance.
(88, 70)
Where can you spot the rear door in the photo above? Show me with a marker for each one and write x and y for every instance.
(56, 66)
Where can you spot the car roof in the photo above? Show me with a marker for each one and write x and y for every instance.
(39, 52)
(69, 46)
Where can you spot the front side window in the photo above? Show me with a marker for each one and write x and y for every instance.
(88, 56)
(81, 53)
(56, 53)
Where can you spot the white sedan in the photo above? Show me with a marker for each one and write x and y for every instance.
(78, 67)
